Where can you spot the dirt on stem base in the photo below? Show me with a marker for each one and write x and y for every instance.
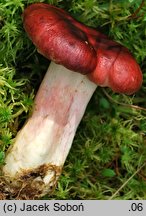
(30, 184)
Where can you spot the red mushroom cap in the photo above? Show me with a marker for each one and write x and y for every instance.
(57, 38)
(117, 69)
(62, 39)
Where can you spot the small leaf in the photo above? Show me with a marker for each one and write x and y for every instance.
(104, 104)
(108, 173)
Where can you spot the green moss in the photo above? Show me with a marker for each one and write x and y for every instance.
(109, 150)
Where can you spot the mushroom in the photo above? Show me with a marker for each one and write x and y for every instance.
(82, 58)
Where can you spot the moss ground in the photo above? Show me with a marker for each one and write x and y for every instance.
(108, 156)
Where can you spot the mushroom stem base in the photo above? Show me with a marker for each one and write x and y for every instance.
(29, 185)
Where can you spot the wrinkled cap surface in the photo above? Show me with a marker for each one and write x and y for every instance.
(80, 48)
(57, 38)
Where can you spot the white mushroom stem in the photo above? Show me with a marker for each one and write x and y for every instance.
(42, 145)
